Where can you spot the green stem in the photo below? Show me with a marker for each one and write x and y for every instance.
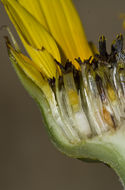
(112, 152)
(109, 149)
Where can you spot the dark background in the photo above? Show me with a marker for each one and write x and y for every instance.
(28, 161)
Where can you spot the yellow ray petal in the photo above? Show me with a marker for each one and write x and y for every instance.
(31, 30)
(42, 60)
(65, 26)
(27, 66)
(33, 6)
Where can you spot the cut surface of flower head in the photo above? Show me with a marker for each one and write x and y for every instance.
(81, 95)
(86, 98)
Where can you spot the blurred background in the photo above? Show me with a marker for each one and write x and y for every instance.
(28, 160)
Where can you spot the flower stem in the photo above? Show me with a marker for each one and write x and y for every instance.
(111, 150)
